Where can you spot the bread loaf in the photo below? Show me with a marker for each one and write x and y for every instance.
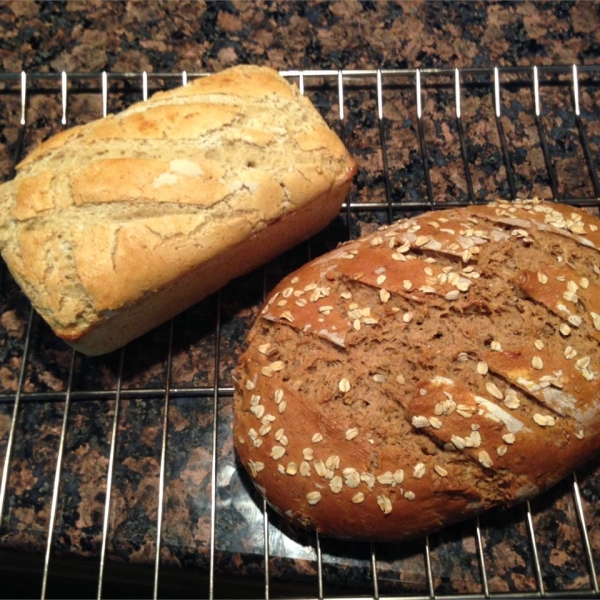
(433, 369)
(113, 227)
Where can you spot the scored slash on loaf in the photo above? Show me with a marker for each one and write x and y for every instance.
(436, 368)
(113, 227)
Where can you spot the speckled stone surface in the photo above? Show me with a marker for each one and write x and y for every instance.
(202, 345)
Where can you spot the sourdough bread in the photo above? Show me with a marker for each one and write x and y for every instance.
(113, 227)
(438, 367)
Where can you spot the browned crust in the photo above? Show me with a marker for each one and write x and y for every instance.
(491, 425)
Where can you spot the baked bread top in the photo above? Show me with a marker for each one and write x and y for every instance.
(103, 215)
(435, 368)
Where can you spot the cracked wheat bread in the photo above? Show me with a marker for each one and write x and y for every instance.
(113, 227)
(438, 367)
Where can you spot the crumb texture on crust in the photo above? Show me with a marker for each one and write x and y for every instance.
(438, 367)
(102, 216)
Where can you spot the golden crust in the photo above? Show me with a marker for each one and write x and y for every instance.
(57, 141)
(168, 122)
(33, 197)
(130, 205)
(208, 276)
(146, 180)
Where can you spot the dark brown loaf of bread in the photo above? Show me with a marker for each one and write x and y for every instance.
(434, 369)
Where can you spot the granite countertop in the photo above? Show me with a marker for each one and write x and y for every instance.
(92, 35)
(170, 37)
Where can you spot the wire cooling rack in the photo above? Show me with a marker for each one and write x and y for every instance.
(423, 139)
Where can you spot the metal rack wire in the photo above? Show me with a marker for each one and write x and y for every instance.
(379, 86)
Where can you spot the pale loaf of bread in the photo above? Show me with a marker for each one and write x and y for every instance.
(113, 227)
(438, 367)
